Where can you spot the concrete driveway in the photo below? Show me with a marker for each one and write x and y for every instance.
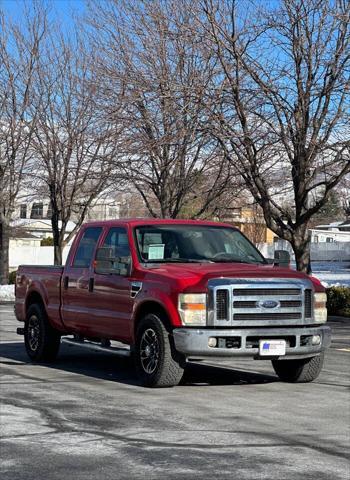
(85, 417)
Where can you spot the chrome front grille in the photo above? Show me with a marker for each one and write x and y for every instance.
(241, 292)
(221, 304)
(250, 302)
(308, 303)
(266, 316)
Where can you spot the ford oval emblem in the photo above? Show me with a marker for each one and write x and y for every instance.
(268, 304)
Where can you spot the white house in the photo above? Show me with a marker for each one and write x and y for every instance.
(333, 232)
(38, 208)
(25, 240)
(40, 228)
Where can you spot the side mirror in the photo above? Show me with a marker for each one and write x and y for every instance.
(282, 258)
(108, 262)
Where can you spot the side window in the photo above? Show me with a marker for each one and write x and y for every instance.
(86, 247)
(117, 241)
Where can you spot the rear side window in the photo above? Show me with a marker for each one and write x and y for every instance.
(87, 247)
(117, 240)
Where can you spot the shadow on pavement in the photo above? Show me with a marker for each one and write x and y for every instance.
(109, 367)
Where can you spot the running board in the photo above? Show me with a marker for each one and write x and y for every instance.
(120, 351)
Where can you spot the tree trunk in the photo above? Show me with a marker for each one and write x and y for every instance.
(56, 237)
(58, 254)
(301, 247)
(4, 251)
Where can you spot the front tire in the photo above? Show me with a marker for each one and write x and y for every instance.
(299, 371)
(155, 358)
(42, 341)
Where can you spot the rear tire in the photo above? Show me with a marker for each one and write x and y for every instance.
(41, 340)
(156, 361)
(299, 371)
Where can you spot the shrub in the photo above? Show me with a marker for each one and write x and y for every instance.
(47, 242)
(338, 301)
(12, 277)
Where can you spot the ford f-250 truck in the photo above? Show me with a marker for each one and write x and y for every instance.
(174, 290)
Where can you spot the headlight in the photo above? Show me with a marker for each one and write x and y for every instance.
(320, 310)
(192, 308)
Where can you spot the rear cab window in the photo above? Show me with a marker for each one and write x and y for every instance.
(117, 240)
(114, 255)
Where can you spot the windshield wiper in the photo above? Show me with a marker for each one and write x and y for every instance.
(232, 260)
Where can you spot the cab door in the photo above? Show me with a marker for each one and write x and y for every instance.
(77, 285)
(111, 295)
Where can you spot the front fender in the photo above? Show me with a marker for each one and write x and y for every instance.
(165, 301)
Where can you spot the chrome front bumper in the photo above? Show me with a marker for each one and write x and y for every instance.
(193, 343)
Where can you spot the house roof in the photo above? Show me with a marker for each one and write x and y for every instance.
(22, 235)
(39, 224)
(334, 225)
(329, 232)
(330, 225)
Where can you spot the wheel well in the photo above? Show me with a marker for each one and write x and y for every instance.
(152, 307)
(34, 298)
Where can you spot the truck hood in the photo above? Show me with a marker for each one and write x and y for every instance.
(196, 275)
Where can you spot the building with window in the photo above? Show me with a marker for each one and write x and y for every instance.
(34, 215)
(333, 232)
(101, 209)
(33, 210)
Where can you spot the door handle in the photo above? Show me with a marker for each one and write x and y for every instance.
(91, 284)
(65, 282)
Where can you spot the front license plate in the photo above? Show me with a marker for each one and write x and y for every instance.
(272, 347)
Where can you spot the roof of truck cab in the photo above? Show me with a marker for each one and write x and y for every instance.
(136, 222)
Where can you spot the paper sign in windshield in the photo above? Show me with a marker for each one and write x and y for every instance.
(156, 251)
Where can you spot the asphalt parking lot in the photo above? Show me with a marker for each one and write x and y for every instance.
(85, 417)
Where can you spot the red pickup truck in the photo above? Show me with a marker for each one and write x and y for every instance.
(174, 290)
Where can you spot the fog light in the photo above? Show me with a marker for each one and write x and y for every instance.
(212, 342)
(316, 339)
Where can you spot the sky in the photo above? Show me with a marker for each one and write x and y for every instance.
(64, 10)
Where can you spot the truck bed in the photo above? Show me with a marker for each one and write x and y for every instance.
(45, 279)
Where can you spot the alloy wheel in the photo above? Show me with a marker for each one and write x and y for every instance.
(149, 351)
(33, 333)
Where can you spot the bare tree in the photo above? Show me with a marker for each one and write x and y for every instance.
(73, 144)
(283, 109)
(19, 53)
(343, 192)
(151, 55)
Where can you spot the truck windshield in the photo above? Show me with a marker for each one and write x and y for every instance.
(194, 243)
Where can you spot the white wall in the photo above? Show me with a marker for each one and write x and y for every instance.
(334, 251)
(33, 256)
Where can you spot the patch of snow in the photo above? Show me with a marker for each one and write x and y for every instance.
(7, 293)
(332, 273)
(331, 281)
